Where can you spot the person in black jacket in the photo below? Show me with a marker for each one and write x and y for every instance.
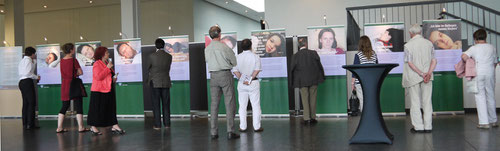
(159, 80)
(307, 73)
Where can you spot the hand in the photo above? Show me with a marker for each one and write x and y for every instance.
(427, 77)
(38, 79)
(109, 65)
(352, 87)
(114, 79)
(246, 83)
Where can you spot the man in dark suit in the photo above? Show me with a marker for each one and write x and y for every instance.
(307, 73)
(159, 80)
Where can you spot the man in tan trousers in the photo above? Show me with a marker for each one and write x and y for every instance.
(417, 78)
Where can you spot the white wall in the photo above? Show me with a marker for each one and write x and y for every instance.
(296, 15)
(207, 15)
(101, 23)
(157, 15)
(493, 4)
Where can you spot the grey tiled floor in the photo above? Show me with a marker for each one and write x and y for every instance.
(453, 133)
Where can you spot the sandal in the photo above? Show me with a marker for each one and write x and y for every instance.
(95, 133)
(61, 131)
(84, 130)
(121, 132)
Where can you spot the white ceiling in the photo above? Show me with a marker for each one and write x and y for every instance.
(238, 8)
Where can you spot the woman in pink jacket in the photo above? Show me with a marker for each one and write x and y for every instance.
(102, 108)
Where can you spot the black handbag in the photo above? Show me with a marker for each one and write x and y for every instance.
(354, 104)
(76, 88)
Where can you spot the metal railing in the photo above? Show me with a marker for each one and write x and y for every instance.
(474, 16)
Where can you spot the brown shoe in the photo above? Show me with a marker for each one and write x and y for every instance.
(259, 130)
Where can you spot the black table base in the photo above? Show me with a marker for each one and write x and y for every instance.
(371, 128)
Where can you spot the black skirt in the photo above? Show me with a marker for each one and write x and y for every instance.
(102, 109)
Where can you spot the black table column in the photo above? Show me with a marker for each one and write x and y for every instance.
(371, 128)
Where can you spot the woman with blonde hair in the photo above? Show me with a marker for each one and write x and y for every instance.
(365, 55)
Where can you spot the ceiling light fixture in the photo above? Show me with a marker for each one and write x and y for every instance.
(227, 2)
(256, 5)
(1, 11)
(44, 6)
(90, 2)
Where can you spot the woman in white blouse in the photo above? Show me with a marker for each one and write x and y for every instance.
(485, 56)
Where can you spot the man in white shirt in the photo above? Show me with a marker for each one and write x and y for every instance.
(27, 86)
(247, 68)
(417, 78)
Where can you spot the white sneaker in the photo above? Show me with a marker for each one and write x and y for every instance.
(483, 126)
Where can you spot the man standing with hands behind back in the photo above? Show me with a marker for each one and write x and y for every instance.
(220, 60)
(248, 86)
(159, 80)
(420, 62)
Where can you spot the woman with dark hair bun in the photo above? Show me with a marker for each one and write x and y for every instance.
(485, 57)
(327, 43)
(102, 108)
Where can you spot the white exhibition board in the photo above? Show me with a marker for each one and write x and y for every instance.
(128, 60)
(84, 52)
(330, 43)
(270, 45)
(178, 47)
(9, 62)
(48, 67)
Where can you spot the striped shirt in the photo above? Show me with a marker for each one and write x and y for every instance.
(360, 58)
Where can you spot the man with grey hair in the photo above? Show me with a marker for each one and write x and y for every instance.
(417, 78)
(220, 60)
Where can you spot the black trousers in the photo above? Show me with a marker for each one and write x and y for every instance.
(27, 88)
(77, 102)
(164, 94)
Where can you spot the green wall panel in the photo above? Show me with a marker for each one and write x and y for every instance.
(180, 97)
(392, 94)
(273, 96)
(129, 99)
(49, 99)
(447, 92)
(332, 95)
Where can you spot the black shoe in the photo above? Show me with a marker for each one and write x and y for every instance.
(32, 127)
(215, 136)
(307, 122)
(232, 135)
(427, 131)
(314, 121)
(259, 130)
(412, 130)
